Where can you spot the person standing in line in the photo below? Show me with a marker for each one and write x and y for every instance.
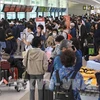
(29, 38)
(37, 65)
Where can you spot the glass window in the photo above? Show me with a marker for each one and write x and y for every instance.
(56, 14)
(40, 14)
(38, 2)
(11, 15)
(8, 1)
(53, 3)
(1, 15)
(63, 3)
(33, 13)
(15, 1)
(21, 1)
(21, 15)
(52, 14)
(1, 7)
(63, 13)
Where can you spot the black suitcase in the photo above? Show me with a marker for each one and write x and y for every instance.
(47, 94)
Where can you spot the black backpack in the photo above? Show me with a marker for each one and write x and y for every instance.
(11, 46)
(63, 89)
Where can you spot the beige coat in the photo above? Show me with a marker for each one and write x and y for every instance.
(37, 61)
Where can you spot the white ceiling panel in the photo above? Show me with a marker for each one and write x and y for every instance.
(90, 2)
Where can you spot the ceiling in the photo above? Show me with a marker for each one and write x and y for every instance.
(90, 2)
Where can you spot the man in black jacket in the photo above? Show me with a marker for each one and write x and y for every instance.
(2, 37)
(82, 34)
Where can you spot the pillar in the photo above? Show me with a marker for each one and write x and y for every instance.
(5, 15)
(27, 14)
(46, 5)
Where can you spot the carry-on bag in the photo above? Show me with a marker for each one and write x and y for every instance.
(47, 94)
(63, 89)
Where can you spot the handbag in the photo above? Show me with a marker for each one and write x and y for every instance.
(25, 75)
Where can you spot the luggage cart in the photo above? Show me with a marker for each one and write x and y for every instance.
(9, 77)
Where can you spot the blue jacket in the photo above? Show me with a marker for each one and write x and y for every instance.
(73, 32)
(78, 82)
(57, 63)
(78, 64)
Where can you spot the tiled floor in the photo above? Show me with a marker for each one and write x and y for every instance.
(11, 94)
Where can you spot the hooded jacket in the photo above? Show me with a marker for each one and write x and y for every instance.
(36, 62)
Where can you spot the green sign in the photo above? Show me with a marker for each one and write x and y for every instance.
(91, 51)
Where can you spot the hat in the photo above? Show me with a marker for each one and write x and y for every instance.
(65, 43)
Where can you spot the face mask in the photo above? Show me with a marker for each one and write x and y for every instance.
(54, 34)
(17, 23)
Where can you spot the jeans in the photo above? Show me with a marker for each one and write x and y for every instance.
(33, 79)
(2, 45)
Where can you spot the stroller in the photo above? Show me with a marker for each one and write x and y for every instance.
(9, 75)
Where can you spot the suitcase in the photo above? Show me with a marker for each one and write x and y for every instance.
(47, 94)
(14, 73)
(5, 65)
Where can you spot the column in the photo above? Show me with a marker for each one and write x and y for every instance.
(16, 13)
(58, 6)
(5, 15)
(27, 14)
(46, 5)
(67, 7)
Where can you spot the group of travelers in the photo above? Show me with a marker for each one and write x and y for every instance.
(62, 47)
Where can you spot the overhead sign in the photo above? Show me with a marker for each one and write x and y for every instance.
(22, 9)
(12, 8)
(42, 9)
(17, 8)
(6, 8)
(63, 9)
(67, 19)
(29, 9)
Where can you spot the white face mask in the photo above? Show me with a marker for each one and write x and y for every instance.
(17, 23)
(54, 34)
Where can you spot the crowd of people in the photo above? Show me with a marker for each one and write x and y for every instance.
(58, 45)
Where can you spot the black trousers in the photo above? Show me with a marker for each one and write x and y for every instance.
(33, 79)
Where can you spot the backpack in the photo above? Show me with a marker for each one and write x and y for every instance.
(63, 89)
(11, 46)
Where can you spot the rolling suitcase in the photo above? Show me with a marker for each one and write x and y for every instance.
(14, 73)
(5, 65)
(47, 94)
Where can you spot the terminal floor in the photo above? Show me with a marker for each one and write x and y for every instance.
(11, 94)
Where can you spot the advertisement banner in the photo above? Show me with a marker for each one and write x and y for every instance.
(67, 21)
(40, 21)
